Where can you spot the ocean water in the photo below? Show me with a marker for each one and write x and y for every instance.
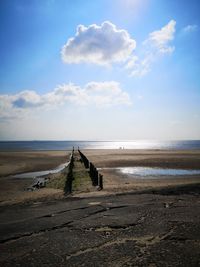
(68, 145)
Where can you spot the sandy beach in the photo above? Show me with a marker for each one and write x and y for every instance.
(114, 181)
(20, 162)
(185, 159)
(12, 189)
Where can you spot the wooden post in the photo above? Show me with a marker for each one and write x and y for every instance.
(100, 181)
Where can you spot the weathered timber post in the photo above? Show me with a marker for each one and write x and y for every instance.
(100, 181)
(69, 178)
(85, 160)
(95, 176)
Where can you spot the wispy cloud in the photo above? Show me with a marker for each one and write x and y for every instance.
(190, 28)
(140, 66)
(158, 43)
(160, 39)
(99, 94)
(104, 44)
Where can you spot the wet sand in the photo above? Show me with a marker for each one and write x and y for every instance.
(19, 162)
(12, 190)
(183, 159)
(115, 181)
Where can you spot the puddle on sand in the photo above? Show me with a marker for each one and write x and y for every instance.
(148, 171)
(41, 173)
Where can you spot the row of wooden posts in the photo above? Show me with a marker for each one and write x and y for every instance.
(96, 177)
(69, 178)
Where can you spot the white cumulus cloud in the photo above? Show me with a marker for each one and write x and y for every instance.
(104, 44)
(93, 93)
(26, 99)
(99, 94)
(106, 93)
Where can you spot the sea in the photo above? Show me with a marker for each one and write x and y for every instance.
(68, 145)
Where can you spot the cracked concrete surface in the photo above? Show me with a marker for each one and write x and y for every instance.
(125, 230)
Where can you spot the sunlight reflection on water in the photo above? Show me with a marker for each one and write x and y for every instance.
(41, 173)
(147, 171)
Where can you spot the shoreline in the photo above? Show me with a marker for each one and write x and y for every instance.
(12, 189)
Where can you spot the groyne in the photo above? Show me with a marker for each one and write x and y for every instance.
(96, 177)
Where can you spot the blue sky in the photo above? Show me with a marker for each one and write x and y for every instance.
(130, 71)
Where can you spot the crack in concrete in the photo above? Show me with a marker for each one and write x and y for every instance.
(107, 228)
(14, 238)
(108, 244)
(61, 212)
(146, 241)
(82, 208)
(115, 227)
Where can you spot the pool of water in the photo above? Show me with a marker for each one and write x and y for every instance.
(41, 173)
(148, 171)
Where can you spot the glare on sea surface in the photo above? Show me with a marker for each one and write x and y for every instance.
(133, 144)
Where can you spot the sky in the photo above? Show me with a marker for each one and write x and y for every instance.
(99, 70)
